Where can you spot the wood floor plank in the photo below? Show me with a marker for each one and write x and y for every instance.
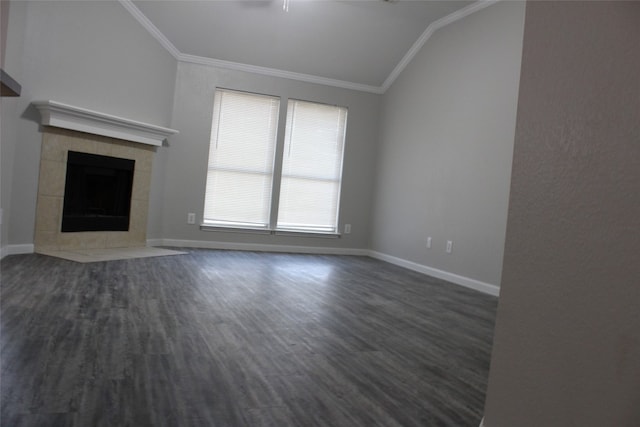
(222, 338)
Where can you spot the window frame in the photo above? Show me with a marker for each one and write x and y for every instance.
(230, 224)
(312, 229)
(278, 160)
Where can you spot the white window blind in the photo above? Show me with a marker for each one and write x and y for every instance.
(312, 167)
(240, 174)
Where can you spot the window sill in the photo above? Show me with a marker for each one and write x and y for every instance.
(306, 233)
(297, 233)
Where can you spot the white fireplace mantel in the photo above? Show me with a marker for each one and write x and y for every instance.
(65, 116)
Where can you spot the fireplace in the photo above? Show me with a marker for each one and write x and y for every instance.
(97, 193)
(95, 179)
(93, 192)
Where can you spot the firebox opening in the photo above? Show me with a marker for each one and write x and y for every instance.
(97, 194)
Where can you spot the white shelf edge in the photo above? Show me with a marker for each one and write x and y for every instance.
(57, 114)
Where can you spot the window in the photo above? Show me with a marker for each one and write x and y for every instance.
(243, 139)
(312, 167)
(242, 157)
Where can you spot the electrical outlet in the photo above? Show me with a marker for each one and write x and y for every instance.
(347, 229)
(191, 218)
(449, 246)
(428, 242)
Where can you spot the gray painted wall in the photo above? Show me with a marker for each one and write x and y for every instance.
(88, 54)
(4, 22)
(447, 130)
(567, 341)
(447, 133)
(9, 108)
(186, 158)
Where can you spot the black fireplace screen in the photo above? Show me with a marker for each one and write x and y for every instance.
(97, 193)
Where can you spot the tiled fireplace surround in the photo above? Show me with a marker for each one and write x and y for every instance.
(69, 128)
(56, 143)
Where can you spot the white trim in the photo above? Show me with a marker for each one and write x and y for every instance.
(65, 116)
(276, 231)
(467, 282)
(482, 423)
(16, 250)
(435, 25)
(148, 25)
(308, 78)
(154, 242)
(274, 72)
(205, 244)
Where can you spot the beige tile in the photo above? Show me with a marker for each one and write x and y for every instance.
(117, 239)
(138, 152)
(141, 185)
(68, 241)
(137, 238)
(81, 144)
(45, 240)
(53, 148)
(138, 215)
(144, 161)
(52, 177)
(123, 151)
(104, 149)
(97, 255)
(84, 240)
(56, 144)
(49, 213)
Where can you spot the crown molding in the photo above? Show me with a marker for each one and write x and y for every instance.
(432, 28)
(274, 72)
(65, 116)
(148, 25)
(308, 78)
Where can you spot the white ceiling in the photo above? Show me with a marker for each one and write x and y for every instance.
(359, 42)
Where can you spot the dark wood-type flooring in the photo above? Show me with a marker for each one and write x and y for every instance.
(217, 338)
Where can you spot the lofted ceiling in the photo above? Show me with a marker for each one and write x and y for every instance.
(358, 44)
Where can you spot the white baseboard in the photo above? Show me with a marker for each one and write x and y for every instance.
(154, 242)
(467, 282)
(16, 250)
(257, 247)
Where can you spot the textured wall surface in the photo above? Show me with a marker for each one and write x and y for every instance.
(4, 22)
(446, 144)
(567, 341)
(9, 108)
(88, 54)
(186, 158)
